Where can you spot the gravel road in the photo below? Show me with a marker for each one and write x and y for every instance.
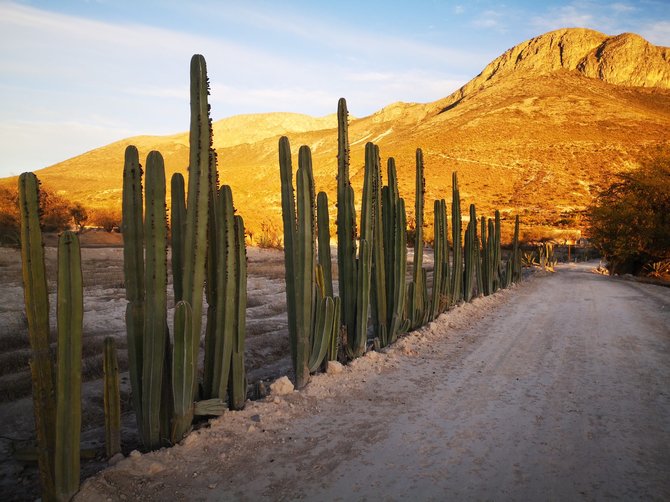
(557, 389)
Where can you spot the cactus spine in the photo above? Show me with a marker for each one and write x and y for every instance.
(70, 316)
(457, 268)
(37, 312)
(112, 399)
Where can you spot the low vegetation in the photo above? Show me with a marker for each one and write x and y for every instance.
(629, 223)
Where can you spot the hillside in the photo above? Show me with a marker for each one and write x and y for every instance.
(537, 132)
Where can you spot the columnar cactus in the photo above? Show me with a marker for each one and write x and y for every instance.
(417, 290)
(111, 398)
(155, 307)
(457, 269)
(70, 318)
(470, 257)
(354, 272)
(37, 312)
(516, 253)
(395, 256)
(439, 245)
(311, 314)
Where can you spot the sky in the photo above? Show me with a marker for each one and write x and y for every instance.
(79, 74)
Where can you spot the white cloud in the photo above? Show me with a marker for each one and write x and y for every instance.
(622, 8)
(568, 16)
(657, 33)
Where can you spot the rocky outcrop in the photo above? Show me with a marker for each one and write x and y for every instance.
(626, 59)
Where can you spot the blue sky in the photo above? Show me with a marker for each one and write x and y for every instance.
(76, 75)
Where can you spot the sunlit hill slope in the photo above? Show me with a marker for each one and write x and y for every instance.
(538, 132)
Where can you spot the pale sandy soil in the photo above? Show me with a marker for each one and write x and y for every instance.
(554, 390)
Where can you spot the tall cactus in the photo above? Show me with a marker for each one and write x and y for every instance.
(457, 268)
(37, 312)
(378, 282)
(177, 227)
(354, 272)
(439, 298)
(310, 311)
(70, 317)
(417, 289)
(497, 253)
(516, 253)
(155, 324)
(133, 271)
(111, 398)
(395, 255)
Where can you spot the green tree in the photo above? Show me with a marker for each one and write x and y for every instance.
(629, 223)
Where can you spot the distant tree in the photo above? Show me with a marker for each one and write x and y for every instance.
(9, 217)
(55, 213)
(629, 223)
(109, 219)
(79, 215)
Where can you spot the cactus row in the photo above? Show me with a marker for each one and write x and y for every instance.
(313, 322)
(207, 242)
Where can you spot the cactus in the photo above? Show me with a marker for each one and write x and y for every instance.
(37, 312)
(177, 226)
(417, 289)
(378, 282)
(395, 256)
(516, 253)
(354, 273)
(111, 398)
(311, 313)
(237, 394)
(457, 268)
(133, 271)
(439, 245)
(70, 316)
(155, 308)
(497, 253)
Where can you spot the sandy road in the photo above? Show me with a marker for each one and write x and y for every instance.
(555, 390)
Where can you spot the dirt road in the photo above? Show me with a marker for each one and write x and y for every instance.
(555, 390)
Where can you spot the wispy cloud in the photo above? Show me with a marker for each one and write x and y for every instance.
(489, 19)
(658, 33)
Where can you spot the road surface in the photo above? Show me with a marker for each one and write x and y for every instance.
(557, 389)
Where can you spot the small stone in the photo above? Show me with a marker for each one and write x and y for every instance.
(276, 400)
(251, 428)
(212, 486)
(334, 367)
(135, 454)
(116, 459)
(255, 418)
(281, 386)
(155, 468)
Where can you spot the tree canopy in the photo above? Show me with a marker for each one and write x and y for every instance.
(630, 220)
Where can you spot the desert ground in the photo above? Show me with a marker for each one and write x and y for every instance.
(553, 390)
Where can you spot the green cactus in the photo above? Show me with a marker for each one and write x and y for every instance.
(417, 289)
(516, 253)
(457, 268)
(70, 317)
(133, 271)
(238, 382)
(395, 256)
(497, 253)
(441, 272)
(155, 308)
(378, 290)
(37, 313)
(354, 273)
(310, 311)
(177, 227)
(111, 398)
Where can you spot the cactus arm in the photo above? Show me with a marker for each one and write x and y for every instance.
(238, 382)
(323, 237)
(70, 313)
(178, 220)
(183, 370)
(457, 269)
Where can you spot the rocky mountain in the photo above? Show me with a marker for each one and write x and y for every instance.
(538, 132)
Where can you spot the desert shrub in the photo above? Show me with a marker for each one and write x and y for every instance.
(9, 217)
(79, 215)
(270, 237)
(629, 223)
(108, 219)
(55, 213)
